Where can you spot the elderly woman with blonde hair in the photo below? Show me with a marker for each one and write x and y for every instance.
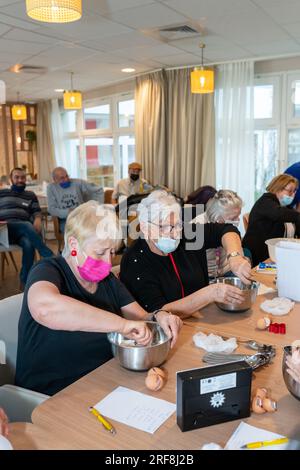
(164, 270)
(72, 301)
(223, 208)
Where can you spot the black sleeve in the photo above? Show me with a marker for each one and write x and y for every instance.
(44, 271)
(213, 234)
(270, 209)
(123, 295)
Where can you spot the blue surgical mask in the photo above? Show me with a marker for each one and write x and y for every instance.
(18, 188)
(65, 184)
(286, 200)
(167, 245)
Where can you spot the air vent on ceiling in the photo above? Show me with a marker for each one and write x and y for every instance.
(173, 32)
(35, 69)
(180, 29)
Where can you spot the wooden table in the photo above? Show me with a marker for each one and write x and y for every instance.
(67, 422)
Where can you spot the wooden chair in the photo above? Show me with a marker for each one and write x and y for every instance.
(58, 235)
(107, 196)
(4, 251)
(246, 221)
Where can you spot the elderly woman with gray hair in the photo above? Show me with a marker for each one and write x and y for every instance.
(73, 300)
(164, 273)
(223, 208)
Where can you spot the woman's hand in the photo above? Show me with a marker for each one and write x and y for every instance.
(3, 423)
(137, 330)
(241, 268)
(226, 293)
(171, 324)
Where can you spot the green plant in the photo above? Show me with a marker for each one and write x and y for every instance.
(31, 136)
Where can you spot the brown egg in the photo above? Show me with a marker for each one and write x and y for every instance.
(261, 393)
(257, 406)
(269, 405)
(263, 323)
(157, 371)
(154, 382)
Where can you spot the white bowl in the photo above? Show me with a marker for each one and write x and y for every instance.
(273, 241)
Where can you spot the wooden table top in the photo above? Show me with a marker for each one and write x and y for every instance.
(64, 420)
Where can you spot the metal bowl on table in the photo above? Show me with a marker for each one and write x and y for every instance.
(291, 384)
(249, 291)
(135, 357)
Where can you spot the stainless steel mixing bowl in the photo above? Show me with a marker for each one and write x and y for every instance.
(291, 384)
(250, 293)
(135, 357)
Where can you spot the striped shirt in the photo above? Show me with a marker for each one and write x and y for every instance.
(18, 206)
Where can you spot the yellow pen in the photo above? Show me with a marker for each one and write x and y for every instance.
(273, 442)
(102, 420)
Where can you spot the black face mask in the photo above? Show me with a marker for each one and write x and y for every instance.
(134, 177)
(18, 188)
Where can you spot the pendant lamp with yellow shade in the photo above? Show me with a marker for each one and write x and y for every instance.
(72, 98)
(202, 80)
(54, 11)
(19, 111)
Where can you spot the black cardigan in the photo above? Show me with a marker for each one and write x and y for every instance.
(151, 278)
(266, 220)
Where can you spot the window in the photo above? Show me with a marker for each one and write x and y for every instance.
(100, 139)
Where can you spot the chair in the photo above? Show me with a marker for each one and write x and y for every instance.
(107, 196)
(246, 221)
(8, 250)
(17, 401)
(58, 235)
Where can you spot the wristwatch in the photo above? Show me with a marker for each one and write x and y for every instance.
(233, 255)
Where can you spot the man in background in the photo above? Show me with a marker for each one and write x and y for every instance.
(21, 210)
(66, 193)
(134, 184)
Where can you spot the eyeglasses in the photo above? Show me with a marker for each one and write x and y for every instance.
(169, 228)
(290, 191)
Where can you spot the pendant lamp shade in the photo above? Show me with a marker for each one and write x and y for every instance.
(54, 11)
(202, 80)
(72, 98)
(19, 111)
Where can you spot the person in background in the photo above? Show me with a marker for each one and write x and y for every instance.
(160, 270)
(21, 210)
(223, 208)
(66, 193)
(72, 301)
(271, 217)
(201, 195)
(294, 170)
(3, 423)
(134, 184)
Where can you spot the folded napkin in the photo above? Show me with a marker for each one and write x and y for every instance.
(214, 343)
(277, 306)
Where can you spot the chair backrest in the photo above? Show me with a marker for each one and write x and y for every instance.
(10, 309)
(246, 221)
(107, 196)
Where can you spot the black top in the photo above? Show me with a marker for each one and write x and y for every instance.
(50, 360)
(18, 206)
(151, 278)
(266, 220)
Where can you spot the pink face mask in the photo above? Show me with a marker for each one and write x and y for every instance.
(94, 270)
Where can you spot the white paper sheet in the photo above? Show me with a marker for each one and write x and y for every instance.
(263, 289)
(245, 434)
(136, 409)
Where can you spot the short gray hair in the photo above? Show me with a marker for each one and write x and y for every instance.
(221, 204)
(158, 205)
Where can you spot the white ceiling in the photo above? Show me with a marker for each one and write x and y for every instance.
(114, 34)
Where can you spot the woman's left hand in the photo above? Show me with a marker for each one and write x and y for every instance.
(171, 324)
(241, 268)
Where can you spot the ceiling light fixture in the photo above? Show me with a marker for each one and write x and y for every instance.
(59, 90)
(128, 70)
(72, 98)
(19, 111)
(54, 11)
(202, 80)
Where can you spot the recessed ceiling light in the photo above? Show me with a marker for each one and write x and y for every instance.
(128, 70)
(59, 90)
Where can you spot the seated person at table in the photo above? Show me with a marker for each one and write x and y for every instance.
(162, 271)
(294, 170)
(223, 208)
(271, 217)
(21, 210)
(134, 184)
(201, 195)
(66, 193)
(72, 301)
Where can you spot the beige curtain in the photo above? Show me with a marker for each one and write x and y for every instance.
(45, 146)
(182, 147)
(150, 126)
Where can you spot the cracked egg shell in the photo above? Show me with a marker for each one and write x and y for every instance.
(157, 371)
(154, 382)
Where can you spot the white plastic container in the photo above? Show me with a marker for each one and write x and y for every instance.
(288, 269)
(272, 242)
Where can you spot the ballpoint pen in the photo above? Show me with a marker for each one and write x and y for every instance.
(102, 420)
(273, 442)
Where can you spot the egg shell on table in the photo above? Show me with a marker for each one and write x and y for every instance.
(269, 405)
(154, 382)
(257, 406)
(261, 393)
(157, 371)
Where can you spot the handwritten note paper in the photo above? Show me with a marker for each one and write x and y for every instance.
(136, 409)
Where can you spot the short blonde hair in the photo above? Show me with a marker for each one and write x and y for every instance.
(92, 219)
(280, 182)
(222, 203)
